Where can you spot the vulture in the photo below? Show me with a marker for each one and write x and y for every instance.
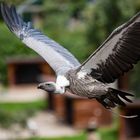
(91, 79)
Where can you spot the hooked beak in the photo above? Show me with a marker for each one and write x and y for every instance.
(40, 86)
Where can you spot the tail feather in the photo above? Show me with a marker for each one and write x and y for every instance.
(114, 97)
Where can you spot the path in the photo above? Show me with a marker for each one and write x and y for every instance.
(43, 124)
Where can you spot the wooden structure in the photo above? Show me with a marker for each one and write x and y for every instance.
(130, 128)
(27, 71)
(79, 112)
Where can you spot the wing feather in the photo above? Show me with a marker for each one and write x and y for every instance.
(117, 54)
(60, 59)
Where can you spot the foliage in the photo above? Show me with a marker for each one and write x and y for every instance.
(106, 16)
(58, 25)
(74, 41)
(18, 113)
(12, 1)
(10, 46)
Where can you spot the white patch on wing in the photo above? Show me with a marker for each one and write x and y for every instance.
(81, 75)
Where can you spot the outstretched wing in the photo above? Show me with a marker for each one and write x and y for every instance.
(117, 54)
(57, 57)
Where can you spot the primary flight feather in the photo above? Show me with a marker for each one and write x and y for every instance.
(114, 57)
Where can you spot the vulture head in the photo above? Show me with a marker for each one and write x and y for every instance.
(51, 87)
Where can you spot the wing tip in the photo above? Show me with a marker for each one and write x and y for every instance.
(11, 18)
(6, 14)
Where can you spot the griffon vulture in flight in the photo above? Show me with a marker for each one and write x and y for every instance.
(117, 55)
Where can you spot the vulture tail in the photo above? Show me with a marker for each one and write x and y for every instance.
(114, 98)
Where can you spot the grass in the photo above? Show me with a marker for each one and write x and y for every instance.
(81, 136)
(108, 133)
(11, 113)
(18, 113)
(37, 105)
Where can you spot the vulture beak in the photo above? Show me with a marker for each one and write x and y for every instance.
(40, 86)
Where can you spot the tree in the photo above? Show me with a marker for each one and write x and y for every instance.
(15, 2)
(107, 15)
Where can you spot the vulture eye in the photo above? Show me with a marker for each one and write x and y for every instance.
(49, 85)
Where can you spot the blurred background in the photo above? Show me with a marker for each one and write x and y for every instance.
(80, 26)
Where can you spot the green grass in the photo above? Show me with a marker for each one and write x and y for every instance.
(81, 136)
(108, 133)
(37, 105)
(18, 113)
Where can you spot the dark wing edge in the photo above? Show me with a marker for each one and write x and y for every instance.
(122, 54)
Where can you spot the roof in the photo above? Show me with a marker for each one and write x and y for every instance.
(25, 60)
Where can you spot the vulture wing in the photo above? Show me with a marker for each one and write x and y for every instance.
(117, 54)
(57, 57)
